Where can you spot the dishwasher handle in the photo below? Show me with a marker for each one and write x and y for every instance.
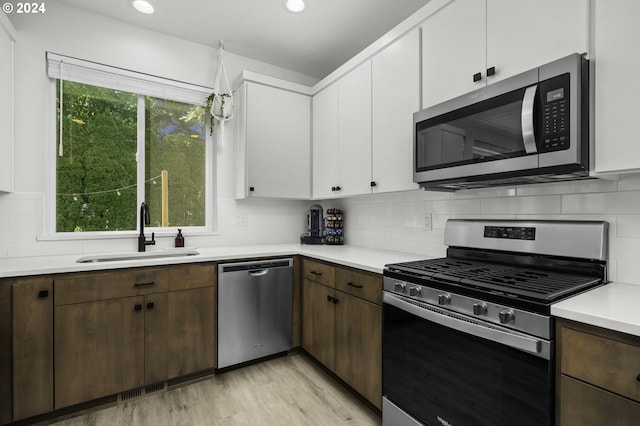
(259, 273)
(255, 266)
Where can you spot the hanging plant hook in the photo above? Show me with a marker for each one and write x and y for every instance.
(220, 102)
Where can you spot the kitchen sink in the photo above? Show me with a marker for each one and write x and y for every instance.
(113, 257)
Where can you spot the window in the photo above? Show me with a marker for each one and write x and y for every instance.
(123, 138)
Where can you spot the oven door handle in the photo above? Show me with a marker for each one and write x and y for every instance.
(537, 347)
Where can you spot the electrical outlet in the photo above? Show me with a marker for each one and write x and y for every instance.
(427, 222)
(242, 220)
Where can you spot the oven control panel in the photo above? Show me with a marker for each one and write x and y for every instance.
(510, 232)
(517, 319)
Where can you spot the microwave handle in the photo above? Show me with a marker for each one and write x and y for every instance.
(528, 132)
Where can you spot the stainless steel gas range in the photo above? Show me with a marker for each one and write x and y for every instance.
(468, 339)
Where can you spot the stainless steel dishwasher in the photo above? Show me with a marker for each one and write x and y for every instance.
(254, 310)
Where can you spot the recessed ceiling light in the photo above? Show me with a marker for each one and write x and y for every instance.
(295, 6)
(143, 6)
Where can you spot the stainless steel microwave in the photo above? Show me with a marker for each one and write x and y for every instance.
(529, 128)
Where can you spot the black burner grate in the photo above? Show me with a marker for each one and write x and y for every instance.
(536, 284)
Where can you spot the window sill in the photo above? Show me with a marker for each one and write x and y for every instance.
(125, 235)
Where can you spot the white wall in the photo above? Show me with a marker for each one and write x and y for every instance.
(73, 32)
(396, 221)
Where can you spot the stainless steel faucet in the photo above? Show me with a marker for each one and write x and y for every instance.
(145, 218)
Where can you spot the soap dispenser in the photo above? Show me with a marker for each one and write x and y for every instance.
(179, 239)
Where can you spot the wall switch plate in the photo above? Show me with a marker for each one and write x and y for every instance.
(242, 220)
(427, 222)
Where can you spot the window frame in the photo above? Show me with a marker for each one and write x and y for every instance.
(150, 86)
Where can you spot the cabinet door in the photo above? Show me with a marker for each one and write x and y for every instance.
(278, 142)
(325, 142)
(99, 349)
(190, 331)
(318, 313)
(156, 338)
(522, 35)
(32, 347)
(617, 148)
(6, 107)
(354, 131)
(358, 346)
(395, 97)
(453, 50)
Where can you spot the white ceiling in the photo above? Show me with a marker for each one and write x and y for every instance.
(314, 42)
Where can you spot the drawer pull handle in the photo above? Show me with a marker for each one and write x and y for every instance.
(43, 294)
(316, 273)
(150, 283)
(354, 285)
(138, 307)
(638, 378)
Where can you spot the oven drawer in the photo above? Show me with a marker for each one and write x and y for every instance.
(360, 284)
(606, 363)
(586, 405)
(319, 272)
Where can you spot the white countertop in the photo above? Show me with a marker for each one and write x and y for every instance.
(615, 306)
(362, 258)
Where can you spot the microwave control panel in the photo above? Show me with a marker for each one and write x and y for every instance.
(554, 99)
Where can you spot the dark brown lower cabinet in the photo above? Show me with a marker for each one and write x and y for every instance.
(32, 301)
(99, 349)
(342, 326)
(598, 376)
(358, 356)
(318, 333)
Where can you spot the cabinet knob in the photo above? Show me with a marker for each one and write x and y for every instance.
(638, 378)
(137, 307)
(491, 71)
(329, 298)
(373, 183)
(43, 294)
(150, 305)
(477, 77)
(251, 189)
(338, 188)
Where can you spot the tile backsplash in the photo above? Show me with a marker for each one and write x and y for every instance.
(414, 221)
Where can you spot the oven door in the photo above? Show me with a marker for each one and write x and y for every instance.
(439, 371)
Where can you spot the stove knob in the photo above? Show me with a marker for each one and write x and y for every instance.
(507, 317)
(479, 308)
(399, 287)
(444, 299)
(415, 291)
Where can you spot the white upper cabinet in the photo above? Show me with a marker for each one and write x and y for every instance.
(522, 35)
(276, 134)
(7, 41)
(354, 131)
(491, 40)
(453, 51)
(396, 96)
(325, 142)
(617, 66)
(342, 136)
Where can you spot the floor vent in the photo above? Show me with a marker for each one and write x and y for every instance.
(134, 393)
(156, 387)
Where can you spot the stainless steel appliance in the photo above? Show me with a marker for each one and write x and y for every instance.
(468, 339)
(530, 128)
(315, 225)
(254, 310)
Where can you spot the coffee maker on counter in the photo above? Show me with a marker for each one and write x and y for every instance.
(317, 234)
(315, 226)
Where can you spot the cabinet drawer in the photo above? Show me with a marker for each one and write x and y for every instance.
(360, 284)
(319, 272)
(112, 284)
(606, 363)
(184, 277)
(586, 405)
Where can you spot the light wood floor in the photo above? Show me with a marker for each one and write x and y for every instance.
(286, 391)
